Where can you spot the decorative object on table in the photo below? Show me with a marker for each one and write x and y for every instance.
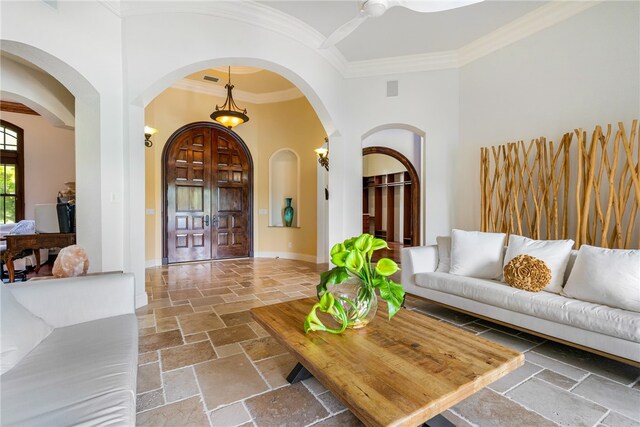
(26, 226)
(527, 273)
(72, 261)
(288, 212)
(348, 291)
(68, 195)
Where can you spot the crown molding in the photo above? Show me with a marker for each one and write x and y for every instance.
(402, 64)
(249, 12)
(238, 95)
(525, 26)
(257, 14)
(528, 24)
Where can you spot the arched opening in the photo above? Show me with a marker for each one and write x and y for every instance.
(83, 113)
(208, 194)
(405, 144)
(266, 137)
(391, 197)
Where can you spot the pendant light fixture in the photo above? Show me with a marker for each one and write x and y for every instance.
(229, 114)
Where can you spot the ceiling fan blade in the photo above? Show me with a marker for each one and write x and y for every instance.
(432, 5)
(343, 31)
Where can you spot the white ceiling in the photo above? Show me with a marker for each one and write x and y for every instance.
(401, 31)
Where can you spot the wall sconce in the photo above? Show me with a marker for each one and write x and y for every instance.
(148, 132)
(323, 154)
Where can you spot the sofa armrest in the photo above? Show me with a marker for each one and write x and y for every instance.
(418, 259)
(64, 302)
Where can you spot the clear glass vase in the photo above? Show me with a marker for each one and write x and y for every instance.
(358, 302)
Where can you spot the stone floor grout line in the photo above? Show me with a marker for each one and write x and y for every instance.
(529, 409)
(201, 395)
(521, 382)
(246, 408)
(256, 367)
(317, 397)
(166, 404)
(606, 414)
(463, 417)
(563, 363)
(329, 414)
(587, 375)
(615, 381)
(601, 405)
(164, 393)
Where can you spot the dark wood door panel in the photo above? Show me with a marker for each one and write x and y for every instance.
(231, 231)
(208, 174)
(188, 196)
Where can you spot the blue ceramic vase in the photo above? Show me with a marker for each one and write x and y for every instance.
(288, 213)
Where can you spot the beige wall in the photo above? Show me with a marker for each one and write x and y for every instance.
(49, 158)
(380, 164)
(291, 124)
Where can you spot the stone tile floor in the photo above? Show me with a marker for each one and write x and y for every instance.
(203, 361)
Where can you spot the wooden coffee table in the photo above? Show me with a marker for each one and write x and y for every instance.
(402, 372)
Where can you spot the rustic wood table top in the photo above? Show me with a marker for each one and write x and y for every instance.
(401, 372)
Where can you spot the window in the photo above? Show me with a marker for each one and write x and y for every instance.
(11, 173)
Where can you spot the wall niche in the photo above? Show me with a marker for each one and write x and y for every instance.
(284, 182)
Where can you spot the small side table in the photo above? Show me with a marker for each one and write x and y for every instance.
(17, 243)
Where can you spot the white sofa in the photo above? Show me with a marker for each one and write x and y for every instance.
(610, 331)
(84, 371)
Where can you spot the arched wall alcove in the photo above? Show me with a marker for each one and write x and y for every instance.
(89, 197)
(284, 182)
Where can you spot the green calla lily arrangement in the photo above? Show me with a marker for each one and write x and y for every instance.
(353, 259)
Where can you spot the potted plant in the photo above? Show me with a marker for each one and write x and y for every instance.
(348, 291)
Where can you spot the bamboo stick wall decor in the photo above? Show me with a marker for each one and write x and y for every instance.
(531, 189)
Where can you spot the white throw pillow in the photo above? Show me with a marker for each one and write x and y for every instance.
(20, 330)
(554, 253)
(606, 276)
(477, 254)
(444, 254)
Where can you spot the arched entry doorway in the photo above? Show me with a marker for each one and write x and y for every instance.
(411, 198)
(208, 194)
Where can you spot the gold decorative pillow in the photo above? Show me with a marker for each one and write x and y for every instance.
(527, 273)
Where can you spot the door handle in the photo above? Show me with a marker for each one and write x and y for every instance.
(206, 220)
(215, 221)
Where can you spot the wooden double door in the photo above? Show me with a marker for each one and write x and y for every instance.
(208, 186)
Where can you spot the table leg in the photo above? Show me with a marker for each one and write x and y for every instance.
(298, 373)
(11, 270)
(438, 421)
(36, 252)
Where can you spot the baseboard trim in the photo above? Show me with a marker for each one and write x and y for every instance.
(142, 300)
(287, 255)
(152, 263)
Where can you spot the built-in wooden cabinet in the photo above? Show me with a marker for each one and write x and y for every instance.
(390, 185)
